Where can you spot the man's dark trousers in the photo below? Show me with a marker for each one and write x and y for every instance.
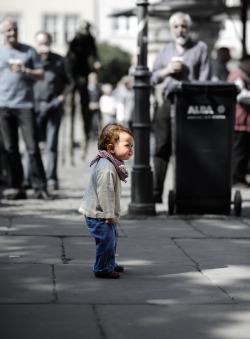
(162, 131)
(10, 120)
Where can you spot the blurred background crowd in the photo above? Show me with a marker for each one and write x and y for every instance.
(98, 42)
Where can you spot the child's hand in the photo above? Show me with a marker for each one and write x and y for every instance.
(110, 221)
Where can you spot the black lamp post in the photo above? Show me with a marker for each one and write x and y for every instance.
(142, 176)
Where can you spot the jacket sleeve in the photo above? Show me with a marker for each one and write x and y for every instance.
(106, 181)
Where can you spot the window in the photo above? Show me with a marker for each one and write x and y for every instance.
(62, 28)
(70, 26)
(124, 25)
(50, 26)
(115, 24)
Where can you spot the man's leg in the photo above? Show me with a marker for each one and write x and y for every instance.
(162, 131)
(86, 116)
(241, 153)
(9, 131)
(52, 132)
(28, 127)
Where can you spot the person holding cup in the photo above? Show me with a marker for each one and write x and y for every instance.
(20, 67)
(182, 59)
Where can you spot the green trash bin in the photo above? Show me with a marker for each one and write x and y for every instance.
(202, 117)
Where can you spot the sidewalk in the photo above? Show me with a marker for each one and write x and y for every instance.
(186, 276)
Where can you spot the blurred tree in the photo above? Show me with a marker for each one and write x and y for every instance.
(115, 63)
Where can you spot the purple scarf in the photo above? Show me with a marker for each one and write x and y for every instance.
(119, 165)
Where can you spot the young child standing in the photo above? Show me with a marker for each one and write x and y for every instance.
(101, 202)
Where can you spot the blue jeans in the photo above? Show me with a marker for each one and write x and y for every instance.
(106, 236)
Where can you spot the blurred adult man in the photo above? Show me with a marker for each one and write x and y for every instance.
(20, 66)
(241, 154)
(182, 59)
(49, 101)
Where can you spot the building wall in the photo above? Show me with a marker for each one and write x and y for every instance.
(121, 31)
(33, 15)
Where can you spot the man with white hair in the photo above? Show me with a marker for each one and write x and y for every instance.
(20, 66)
(182, 59)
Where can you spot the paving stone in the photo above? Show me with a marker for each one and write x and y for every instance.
(26, 283)
(214, 253)
(130, 251)
(175, 321)
(178, 285)
(49, 321)
(226, 228)
(48, 225)
(226, 262)
(154, 228)
(22, 249)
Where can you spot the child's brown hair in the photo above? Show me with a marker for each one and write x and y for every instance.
(110, 134)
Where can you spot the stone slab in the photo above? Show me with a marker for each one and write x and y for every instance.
(49, 321)
(229, 228)
(217, 253)
(48, 225)
(22, 249)
(235, 279)
(80, 250)
(175, 321)
(178, 285)
(60, 205)
(131, 252)
(226, 262)
(158, 228)
(28, 283)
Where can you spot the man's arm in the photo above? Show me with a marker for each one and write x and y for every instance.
(164, 66)
(172, 67)
(68, 88)
(34, 74)
(244, 96)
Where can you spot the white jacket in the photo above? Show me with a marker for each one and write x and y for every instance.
(102, 196)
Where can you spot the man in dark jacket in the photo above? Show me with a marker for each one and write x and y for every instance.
(50, 95)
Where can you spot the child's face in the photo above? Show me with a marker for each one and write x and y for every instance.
(123, 149)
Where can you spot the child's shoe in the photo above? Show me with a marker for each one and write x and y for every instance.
(119, 268)
(110, 275)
